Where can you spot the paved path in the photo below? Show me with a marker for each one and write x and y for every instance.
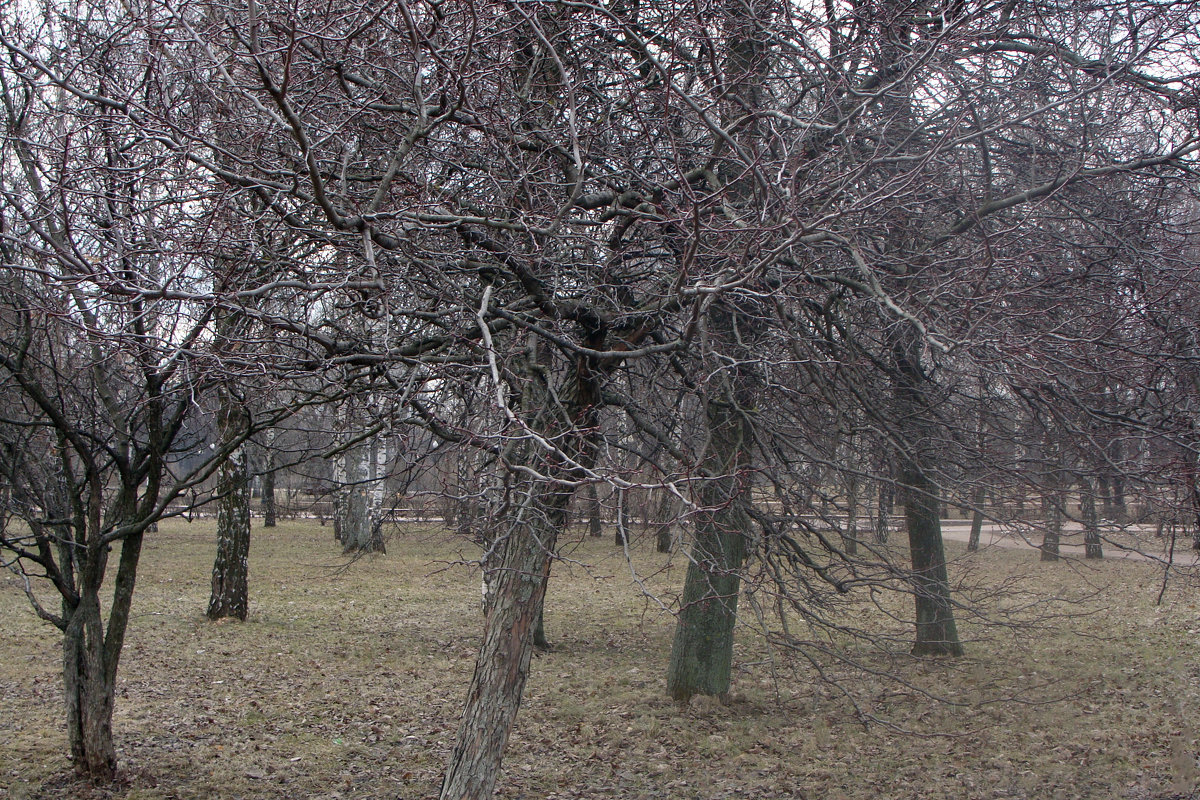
(995, 536)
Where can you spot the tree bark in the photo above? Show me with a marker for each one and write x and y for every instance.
(91, 655)
(937, 633)
(850, 535)
(702, 651)
(1092, 547)
(621, 530)
(1106, 502)
(518, 587)
(268, 483)
(1053, 500)
(89, 694)
(595, 512)
(976, 519)
(537, 508)
(665, 539)
(883, 508)
(230, 575)
(360, 531)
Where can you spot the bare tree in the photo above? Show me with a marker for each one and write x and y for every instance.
(770, 212)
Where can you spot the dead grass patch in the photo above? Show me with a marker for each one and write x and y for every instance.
(346, 682)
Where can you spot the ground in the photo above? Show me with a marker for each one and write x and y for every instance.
(347, 680)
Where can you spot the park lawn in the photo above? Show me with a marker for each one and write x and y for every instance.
(347, 680)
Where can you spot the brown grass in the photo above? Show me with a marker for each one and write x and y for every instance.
(347, 680)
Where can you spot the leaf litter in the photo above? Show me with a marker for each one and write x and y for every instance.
(347, 681)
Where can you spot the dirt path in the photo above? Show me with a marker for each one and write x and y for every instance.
(1070, 547)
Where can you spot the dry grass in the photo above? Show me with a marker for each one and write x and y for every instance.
(348, 678)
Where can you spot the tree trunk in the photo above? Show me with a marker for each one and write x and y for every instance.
(539, 631)
(1092, 547)
(91, 655)
(937, 633)
(621, 532)
(1120, 511)
(360, 532)
(850, 535)
(1106, 502)
(883, 508)
(595, 512)
(1052, 509)
(702, 652)
(89, 694)
(268, 483)
(976, 519)
(518, 586)
(230, 575)
(665, 540)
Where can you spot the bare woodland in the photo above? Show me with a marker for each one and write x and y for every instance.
(775, 283)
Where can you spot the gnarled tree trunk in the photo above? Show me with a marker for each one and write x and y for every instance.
(91, 654)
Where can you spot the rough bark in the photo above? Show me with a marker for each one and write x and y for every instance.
(883, 509)
(517, 589)
(702, 650)
(88, 693)
(91, 655)
(536, 511)
(230, 575)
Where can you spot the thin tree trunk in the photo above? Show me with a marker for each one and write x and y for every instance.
(1092, 547)
(883, 509)
(230, 575)
(268, 482)
(595, 512)
(621, 532)
(1052, 509)
(666, 524)
(850, 536)
(539, 630)
(976, 519)
(1116, 457)
(1106, 502)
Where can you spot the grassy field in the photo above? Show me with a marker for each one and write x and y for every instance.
(347, 681)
